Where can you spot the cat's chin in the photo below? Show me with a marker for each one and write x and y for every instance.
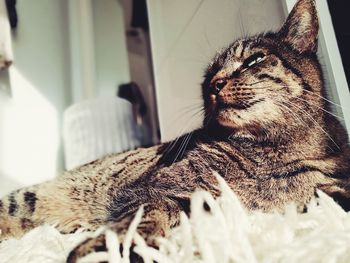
(230, 119)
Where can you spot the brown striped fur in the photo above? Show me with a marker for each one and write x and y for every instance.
(268, 131)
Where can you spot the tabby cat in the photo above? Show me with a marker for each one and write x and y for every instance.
(267, 130)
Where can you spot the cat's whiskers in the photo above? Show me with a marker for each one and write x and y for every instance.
(304, 124)
(321, 108)
(308, 102)
(311, 118)
(183, 146)
(317, 95)
(325, 99)
(189, 109)
(185, 127)
(316, 106)
(296, 117)
(249, 87)
(187, 137)
(207, 118)
(255, 83)
(193, 109)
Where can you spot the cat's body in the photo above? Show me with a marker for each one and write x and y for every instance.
(267, 131)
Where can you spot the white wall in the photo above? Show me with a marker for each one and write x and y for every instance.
(97, 48)
(185, 36)
(30, 116)
(112, 67)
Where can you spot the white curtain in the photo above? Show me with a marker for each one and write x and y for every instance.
(95, 128)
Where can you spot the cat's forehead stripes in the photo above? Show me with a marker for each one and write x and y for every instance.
(230, 67)
(238, 48)
(242, 48)
(235, 56)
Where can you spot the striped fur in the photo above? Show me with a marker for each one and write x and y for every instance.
(267, 131)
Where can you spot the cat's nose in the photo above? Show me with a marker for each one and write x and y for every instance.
(219, 85)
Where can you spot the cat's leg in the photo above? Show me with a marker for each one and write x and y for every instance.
(12, 225)
(157, 220)
(65, 203)
(338, 189)
(334, 178)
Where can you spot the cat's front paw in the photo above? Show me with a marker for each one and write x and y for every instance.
(88, 246)
(98, 244)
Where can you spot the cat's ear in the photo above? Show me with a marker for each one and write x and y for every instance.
(301, 28)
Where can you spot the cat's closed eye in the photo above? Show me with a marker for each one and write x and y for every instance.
(253, 60)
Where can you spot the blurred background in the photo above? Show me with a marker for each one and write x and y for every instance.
(80, 79)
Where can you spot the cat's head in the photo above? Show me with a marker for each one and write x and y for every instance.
(268, 79)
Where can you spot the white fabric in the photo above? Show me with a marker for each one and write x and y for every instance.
(94, 128)
(6, 54)
(228, 234)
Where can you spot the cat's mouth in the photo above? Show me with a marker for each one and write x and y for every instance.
(237, 105)
(236, 113)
